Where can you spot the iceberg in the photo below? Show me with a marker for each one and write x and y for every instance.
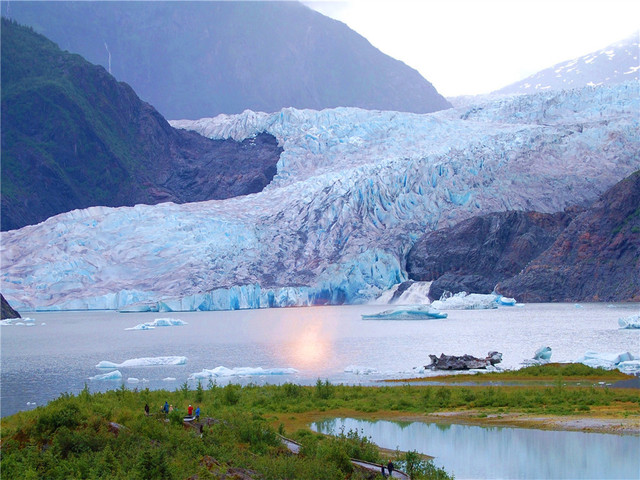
(543, 354)
(467, 301)
(115, 375)
(358, 370)
(241, 372)
(415, 312)
(158, 322)
(26, 322)
(144, 362)
(624, 361)
(354, 189)
(630, 322)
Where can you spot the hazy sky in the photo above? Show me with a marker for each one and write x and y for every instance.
(466, 47)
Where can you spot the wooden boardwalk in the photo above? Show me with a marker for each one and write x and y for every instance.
(294, 447)
(376, 467)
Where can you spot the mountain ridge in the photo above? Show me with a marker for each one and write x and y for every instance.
(615, 63)
(199, 59)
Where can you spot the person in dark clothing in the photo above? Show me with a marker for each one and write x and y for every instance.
(384, 474)
(390, 468)
(146, 409)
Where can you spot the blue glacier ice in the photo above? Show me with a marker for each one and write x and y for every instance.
(354, 189)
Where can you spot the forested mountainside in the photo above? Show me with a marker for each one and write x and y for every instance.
(198, 59)
(74, 137)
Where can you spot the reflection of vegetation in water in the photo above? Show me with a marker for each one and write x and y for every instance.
(72, 437)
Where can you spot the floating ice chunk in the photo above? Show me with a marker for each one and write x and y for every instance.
(415, 312)
(222, 371)
(144, 362)
(467, 301)
(358, 370)
(630, 367)
(158, 322)
(577, 305)
(543, 353)
(115, 375)
(506, 301)
(27, 322)
(608, 361)
(630, 322)
(133, 380)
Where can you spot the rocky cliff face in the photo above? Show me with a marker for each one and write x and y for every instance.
(6, 311)
(596, 258)
(74, 137)
(476, 254)
(200, 59)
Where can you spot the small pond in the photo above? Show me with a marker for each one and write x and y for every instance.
(472, 452)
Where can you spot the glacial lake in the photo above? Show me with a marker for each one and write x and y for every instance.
(60, 351)
(471, 452)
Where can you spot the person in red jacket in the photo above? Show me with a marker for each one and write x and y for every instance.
(190, 410)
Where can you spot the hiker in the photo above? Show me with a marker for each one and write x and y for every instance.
(190, 410)
(146, 409)
(197, 413)
(382, 470)
(390, 468)
(165, 409)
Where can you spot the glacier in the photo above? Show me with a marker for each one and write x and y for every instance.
(354, 189)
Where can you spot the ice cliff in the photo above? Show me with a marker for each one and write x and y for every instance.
(353, 192)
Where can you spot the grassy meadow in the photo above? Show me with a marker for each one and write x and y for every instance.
(108, 435)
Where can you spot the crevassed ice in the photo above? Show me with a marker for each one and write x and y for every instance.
(353, 191)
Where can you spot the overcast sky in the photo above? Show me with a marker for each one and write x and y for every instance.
(467, 47)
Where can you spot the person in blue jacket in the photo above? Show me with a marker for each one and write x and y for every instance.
(197, 413)
(165, 409)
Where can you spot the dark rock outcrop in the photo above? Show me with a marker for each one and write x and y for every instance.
(6, 310)
(74, 137)
(477, 253)
(464, 362)
(198, 59)
(596, 258)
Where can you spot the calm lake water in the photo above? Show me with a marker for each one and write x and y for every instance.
(471, 452)
(41, 361)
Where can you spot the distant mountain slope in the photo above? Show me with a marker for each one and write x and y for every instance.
(199, 59)
(477, 253)
(73, 137)
(596, 258)
(616, 63)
